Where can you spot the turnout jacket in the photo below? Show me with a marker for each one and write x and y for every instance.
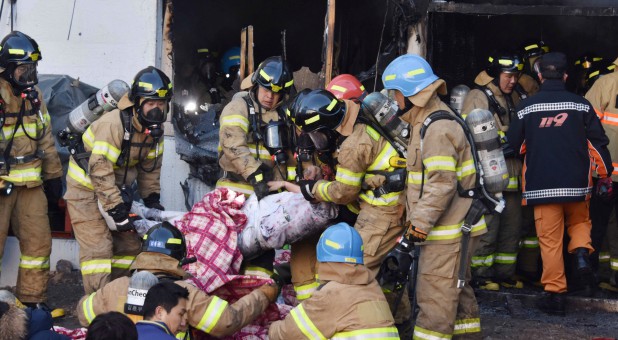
(477, 99)
(361, 157)
(44, 163)
(563, 141)
(207, 313)
(602, 95)
(349, 304)
(237, 146)
(104, 139)
(445, 158)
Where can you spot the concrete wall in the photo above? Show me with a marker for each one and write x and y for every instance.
(108, 39)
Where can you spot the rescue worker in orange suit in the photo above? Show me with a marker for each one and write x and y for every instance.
(125, 145)
(163, 254)
(348, 290)
(254, 148)
(602, 96)
(557, 129)
(435, 210)
(494, 262)
(363, 163)
(30, 168)
(530, 52)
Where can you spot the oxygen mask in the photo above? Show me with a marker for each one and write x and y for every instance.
(25, 75)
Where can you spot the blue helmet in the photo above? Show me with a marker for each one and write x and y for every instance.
(409, 74)
(230, 61)
(340, 243)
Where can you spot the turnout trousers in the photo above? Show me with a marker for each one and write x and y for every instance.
(26, 211)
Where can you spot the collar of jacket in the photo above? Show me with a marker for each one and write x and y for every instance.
(155, 262)
(422, 98)
(418, 114)
(482, 79)
(346, 273)
(349, 119)
(553, 85)
(159, 324)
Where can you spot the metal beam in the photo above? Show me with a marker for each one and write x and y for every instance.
(490, 9)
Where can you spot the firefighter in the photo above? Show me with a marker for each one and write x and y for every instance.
(494, 262)
(347, 86)
(30, 168)
(349, 303)
(363, 167)
(163, 252)
(245, 155)
(125, 146)
(437, 166)
(582, 68)
(557, 129)
(530, 52)
(602, 96)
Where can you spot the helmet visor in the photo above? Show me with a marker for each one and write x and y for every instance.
(26, 75)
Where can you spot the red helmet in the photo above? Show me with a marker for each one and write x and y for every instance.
(346, 86)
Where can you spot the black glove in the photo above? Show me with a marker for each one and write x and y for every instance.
(53, 189)
(259, 180)
(153, 201)
(306, 188)
(121, 217)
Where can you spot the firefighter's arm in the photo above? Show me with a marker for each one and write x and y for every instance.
(150, 182)
(440, 155)
(597, 145)
(217, 317)
(309, 320)
(598, 96)
(105, 144)
(233, 134)
(475, 99)
(51, 162)
(90, 306)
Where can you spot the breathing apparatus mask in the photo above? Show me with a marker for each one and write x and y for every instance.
(276, 140)
(22, 75)
(152, 120)
(386, 112)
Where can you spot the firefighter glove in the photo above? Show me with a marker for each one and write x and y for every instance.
(306, 188)
(122, 219)
(53, 189)
(416, 234)
(259, 180)
(153, 201)
(271, 290)
(605, 189)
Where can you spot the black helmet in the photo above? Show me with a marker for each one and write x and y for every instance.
(318, 109)
(273, 74)
(586, 60)
(503, 62)
(164, 238)
(19, 49)
(290, 105)
(150, 83)
(533, 49)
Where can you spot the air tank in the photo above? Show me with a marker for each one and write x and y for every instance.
(458, 95)
(482, 125)
(104, 100)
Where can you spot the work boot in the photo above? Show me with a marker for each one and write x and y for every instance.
(612, 284)
(582, 261)
(552, 303)
(484, 284)
(512, 283)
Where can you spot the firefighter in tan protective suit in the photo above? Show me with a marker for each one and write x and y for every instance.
(602, 96)
(29, 164)
(435, 209)
(348, 290)
(164, 252)
(126, 145)
(364, 162)
(494, 262)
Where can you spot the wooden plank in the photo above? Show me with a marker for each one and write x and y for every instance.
(251, 62)
(330, 39)
(490, 9)
(243, 52)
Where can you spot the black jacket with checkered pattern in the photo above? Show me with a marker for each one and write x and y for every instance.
(562, 141)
